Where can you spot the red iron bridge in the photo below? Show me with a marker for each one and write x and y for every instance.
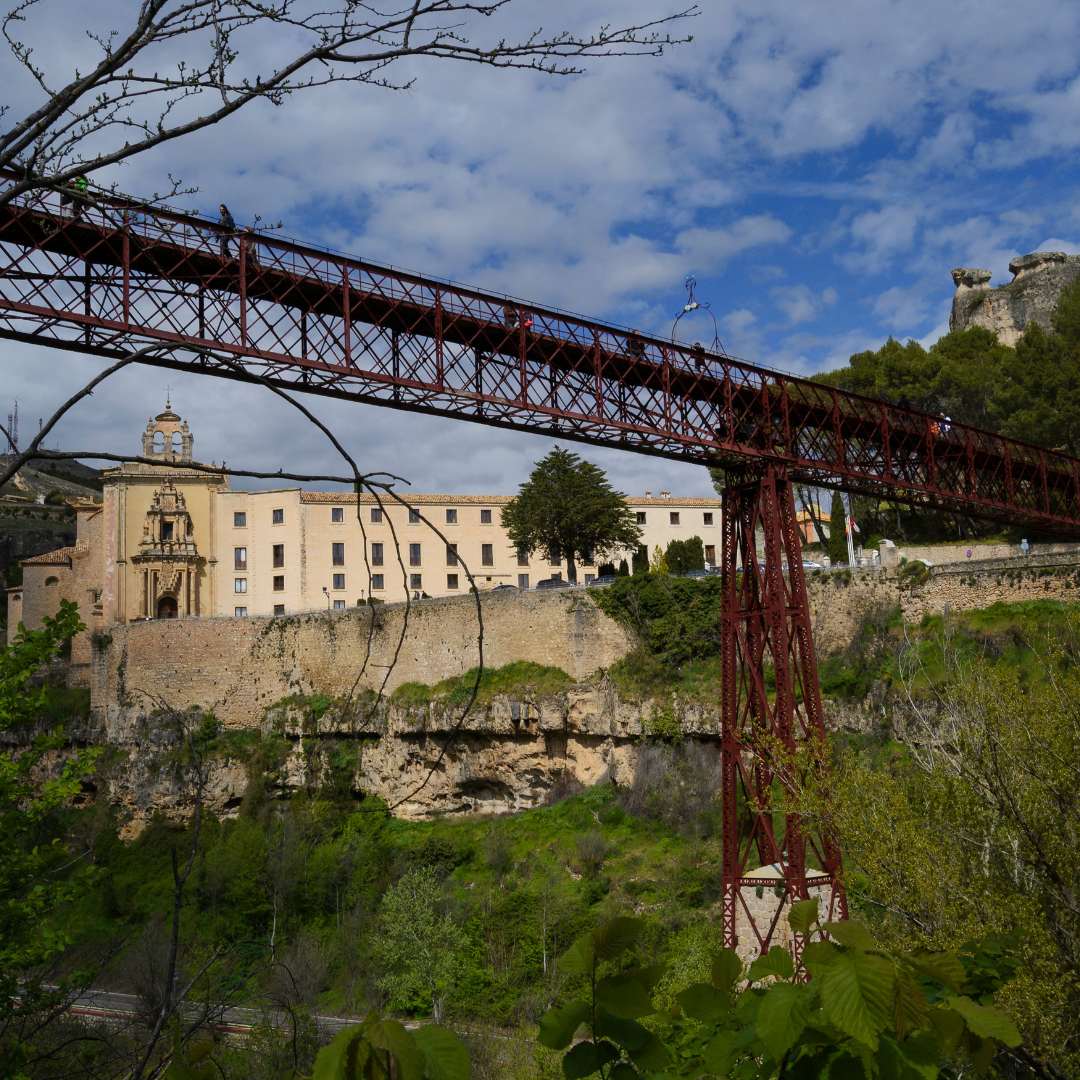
(118, 276)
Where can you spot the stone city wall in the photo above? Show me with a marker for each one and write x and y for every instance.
(240, 667)
(950, 554)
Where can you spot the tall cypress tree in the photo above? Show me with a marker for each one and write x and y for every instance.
(837, 531)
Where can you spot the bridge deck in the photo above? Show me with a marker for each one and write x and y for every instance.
(121, 277)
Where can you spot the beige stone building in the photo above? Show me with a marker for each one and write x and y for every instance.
(171, 541)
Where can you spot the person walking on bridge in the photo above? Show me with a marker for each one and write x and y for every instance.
(228, 228)
(75, 195)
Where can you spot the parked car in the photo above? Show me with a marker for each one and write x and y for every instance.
(808, 565)
(504, 585)
(695, 573)
(553, 583)
(604, 579)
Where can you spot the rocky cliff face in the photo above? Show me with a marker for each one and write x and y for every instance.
(510, 754)
(1038, 280)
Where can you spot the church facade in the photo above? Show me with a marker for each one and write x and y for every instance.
(172, 539)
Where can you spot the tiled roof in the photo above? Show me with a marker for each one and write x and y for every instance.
(416, 499)
(59, 557)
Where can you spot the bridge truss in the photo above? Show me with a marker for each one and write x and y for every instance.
(118, 277)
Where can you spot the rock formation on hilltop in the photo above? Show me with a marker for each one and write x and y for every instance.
(1038, 280)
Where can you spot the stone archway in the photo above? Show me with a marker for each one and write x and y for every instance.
(166, 607)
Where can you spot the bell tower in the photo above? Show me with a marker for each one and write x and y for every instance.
(167, 436)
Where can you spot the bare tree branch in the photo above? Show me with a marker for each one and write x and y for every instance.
(131, 99)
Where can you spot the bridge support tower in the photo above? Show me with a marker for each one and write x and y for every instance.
(773, 729)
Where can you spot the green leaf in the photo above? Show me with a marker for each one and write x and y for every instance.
(949, 1026)
(616, 936)
(857, 995)
(704, 1002)
(910, 1009)
(776, 962)
(782, 1016)
(392, 1036)
(819, 955)
(802, 915)
(986, 1021)
(727, 969)
(651, 1056)
(851, 935)
(628, 1034)
(580, 957)
(587, 1058)
(558, 1024)
(945, 968)
(445, 1055)
(624, 995)
(725, 1048)
(624, 1071)
(337, 1060)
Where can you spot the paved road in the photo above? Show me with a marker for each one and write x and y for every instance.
(110, 1005)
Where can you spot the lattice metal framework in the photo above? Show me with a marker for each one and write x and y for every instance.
(252, 307)
(771, 736)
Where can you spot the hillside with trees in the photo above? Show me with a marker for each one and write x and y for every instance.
(1030, 392)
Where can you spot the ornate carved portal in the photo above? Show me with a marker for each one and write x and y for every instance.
(773, 735)
(168, 562)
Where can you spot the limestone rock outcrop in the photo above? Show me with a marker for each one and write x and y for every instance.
(1008, 310)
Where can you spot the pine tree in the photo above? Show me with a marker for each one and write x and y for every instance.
(567, 506)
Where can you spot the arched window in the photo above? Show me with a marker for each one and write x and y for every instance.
(159, 442)
(52, 581)
(177, 443)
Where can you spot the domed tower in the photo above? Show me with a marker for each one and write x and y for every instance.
(168, 436)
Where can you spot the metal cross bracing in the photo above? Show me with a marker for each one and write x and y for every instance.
(118, 277)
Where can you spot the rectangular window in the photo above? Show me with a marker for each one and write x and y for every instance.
(376, 554)
(708, 518)
(339, 581)
(277, 517)
(522, 557)
(710, 554)
(523, 581)
(337, 554)
(673, 517)
(337, 514)
(487, 555)
(339, 605)
(641, 517)
(239, 612)
(239, 585)
(485, 517)
(451, 581)
(376, 515)
(279, 609)
(377, 582)
(451, 555)
(239, 519)
(415, 581)
(451, 516)
(414, 516)
(414, 554)
(279, 583)
(166, 530)
(279, 556)
(239, 558)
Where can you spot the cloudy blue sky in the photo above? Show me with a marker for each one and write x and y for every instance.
(819, 167)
